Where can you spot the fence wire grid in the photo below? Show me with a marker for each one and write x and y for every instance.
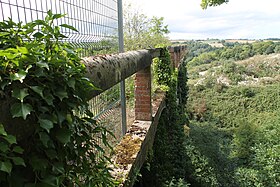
(97, 23)
(96, 20)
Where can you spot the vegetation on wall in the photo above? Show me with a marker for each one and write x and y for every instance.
(141, 32)
(166, 164)
(44, 140)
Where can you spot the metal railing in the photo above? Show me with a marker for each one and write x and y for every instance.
(97, 22)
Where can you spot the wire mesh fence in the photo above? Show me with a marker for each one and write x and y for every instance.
(97, 23)
(96, 20)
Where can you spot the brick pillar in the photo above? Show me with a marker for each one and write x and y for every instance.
(176, 58)
(143, 105)
(172, 56)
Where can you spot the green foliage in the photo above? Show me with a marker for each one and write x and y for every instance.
(243, 140)
(182, 88)
(141, 32)
(205, 3)
(10, 153)
(167, 163)
(240, 139)
(45, 83)
(205, 54)
(234, 130)
(162, 69)
(208, 149)
(204, 58)
(177, 183)
(168, 154)
(264, 162)
(200, 172)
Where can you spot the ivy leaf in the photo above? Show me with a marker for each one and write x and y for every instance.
(60, 116)
(28, 68)
(18, 149)
(57, 16)
(40, 22)
(4, 33)
(6, 166)
(11, 139)
(18, 161)
(61, 94)
(71, 83)
(69, 27)
(38, 35)
(49, 99)
(4, 84)
(38, 163)
(20, 75)
(39, 73)
(63, 135)
(20, 94)
(70, 51)
(42, 65)
(50, 181)
(46, 124)
(21, 110)
(52, 154)
(44, 137)
(4, 147)
(10, 56)
(22, 50)
(2, 130)
(38, 90)
(58, 167)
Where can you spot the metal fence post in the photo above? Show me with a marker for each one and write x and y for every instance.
(121, 49)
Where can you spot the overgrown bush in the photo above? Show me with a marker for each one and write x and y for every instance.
(167, 163)
(247, 155)
(234, 131)
(44, 140)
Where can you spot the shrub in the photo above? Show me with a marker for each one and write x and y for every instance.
(44, 91)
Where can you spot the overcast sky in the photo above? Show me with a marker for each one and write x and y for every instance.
(251, 19)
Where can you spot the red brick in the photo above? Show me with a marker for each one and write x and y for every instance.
(143, 109)
(142, 91)
(143, 116)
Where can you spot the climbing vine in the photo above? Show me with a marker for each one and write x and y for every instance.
(44, 141)
(162, 69)
(167, 163)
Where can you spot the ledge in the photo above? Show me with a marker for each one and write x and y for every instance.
(132, 151)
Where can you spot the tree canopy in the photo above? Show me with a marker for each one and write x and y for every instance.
(206, 3)
(142, 32)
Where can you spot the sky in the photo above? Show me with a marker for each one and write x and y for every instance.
(238, 19)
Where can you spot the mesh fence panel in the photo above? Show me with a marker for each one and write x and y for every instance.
(96, 20)
(97, 23)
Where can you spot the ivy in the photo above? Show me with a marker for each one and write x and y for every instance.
(162, 69)
(167, 163)
(10, 153)
(42, 86)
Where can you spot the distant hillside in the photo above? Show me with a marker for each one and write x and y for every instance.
(234, 113)
(257, 70)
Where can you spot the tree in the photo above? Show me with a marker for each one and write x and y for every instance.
(141, 32)
(205, 3)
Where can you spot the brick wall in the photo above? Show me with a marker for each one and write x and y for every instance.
(143, 106)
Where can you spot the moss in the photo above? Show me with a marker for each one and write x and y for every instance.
(127, 150)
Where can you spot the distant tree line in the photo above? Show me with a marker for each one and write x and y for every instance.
(202, 53)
